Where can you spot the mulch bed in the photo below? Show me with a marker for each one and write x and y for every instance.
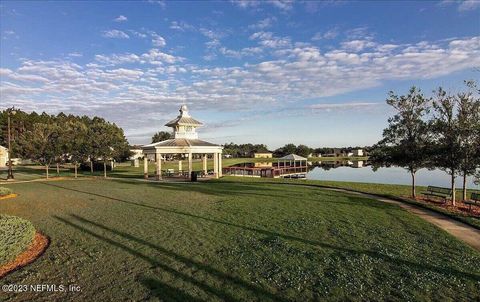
(35, 250)
(460, 207)
(13, 195)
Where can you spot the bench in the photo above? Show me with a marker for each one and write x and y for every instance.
(444, 193)
(474, 200)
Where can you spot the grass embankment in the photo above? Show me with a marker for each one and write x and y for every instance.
(236, 241)
(403, 193)
(400, 192)
(16, 234)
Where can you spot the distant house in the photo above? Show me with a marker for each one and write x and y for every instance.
(357, 152)
(137, 153)
(263, 155)
(336, 153)
(3, 156)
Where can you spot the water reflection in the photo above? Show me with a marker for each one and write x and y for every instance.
(361, 171)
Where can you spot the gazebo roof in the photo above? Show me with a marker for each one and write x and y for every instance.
(181, 142)
(183, 119)
(293, 157)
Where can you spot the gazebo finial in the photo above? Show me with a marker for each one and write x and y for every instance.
(184, 110)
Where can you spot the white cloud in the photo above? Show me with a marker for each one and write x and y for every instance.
(155, 81)
(157, 40)
(181, 26)
(358, 45)
(284, 5)
(115, 34)
(137, 34)
(463, 5)
(267, 39)
(343, 106)
(75, 54)
(161, 3)
(329, 34)
(264, 23)
(120, 18)
(469, 5)
(117, 59)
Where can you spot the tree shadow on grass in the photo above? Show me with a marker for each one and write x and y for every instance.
(358, 252)
(232, 280)
(166, 292)
(355, 251)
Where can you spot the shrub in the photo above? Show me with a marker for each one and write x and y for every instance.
(5, 191)
(17, 235)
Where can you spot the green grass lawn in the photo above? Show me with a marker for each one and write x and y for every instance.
(236, 241)
(404, 192)
(16, 234)
(387, 190)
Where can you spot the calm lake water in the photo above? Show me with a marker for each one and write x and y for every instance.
(358, 172)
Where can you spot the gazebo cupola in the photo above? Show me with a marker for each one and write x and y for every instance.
(184, 126)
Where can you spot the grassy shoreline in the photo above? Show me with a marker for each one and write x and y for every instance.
(397, 192)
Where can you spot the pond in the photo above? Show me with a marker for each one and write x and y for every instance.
(361, 171)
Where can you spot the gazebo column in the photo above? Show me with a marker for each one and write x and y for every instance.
(204, 160)
(145, 166)
(158, 166)
(220, 169)
(190, 168)
(215, 165)
(180, 166)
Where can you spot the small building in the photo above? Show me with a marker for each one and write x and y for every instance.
(3, 156)
(137, 153)
(263, 155)
(357, 152)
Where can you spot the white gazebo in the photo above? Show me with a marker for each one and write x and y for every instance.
(185, 142)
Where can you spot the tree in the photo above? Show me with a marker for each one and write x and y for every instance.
(303, 150)
(448, 142)
(76, 142)
(40, 143)
(406, 141)
(109, 141)
(161, 136)
(468, 116)
(285, 150)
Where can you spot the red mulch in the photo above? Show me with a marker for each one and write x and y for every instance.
(460, 207)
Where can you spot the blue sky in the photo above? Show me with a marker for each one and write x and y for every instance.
(270, 72)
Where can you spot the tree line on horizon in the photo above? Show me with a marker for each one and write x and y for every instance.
(57, 139)
(247, 150)
(442, 131)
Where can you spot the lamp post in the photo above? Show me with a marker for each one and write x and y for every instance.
(10, 170)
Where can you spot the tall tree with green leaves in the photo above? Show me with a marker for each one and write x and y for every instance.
(406, 140)
(468, 116)
(303, 150)
(40, 144)
(448, 141)
(108, 140)
(75, 138)
(161, 136)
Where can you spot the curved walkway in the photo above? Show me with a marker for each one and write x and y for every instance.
(460, 230)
